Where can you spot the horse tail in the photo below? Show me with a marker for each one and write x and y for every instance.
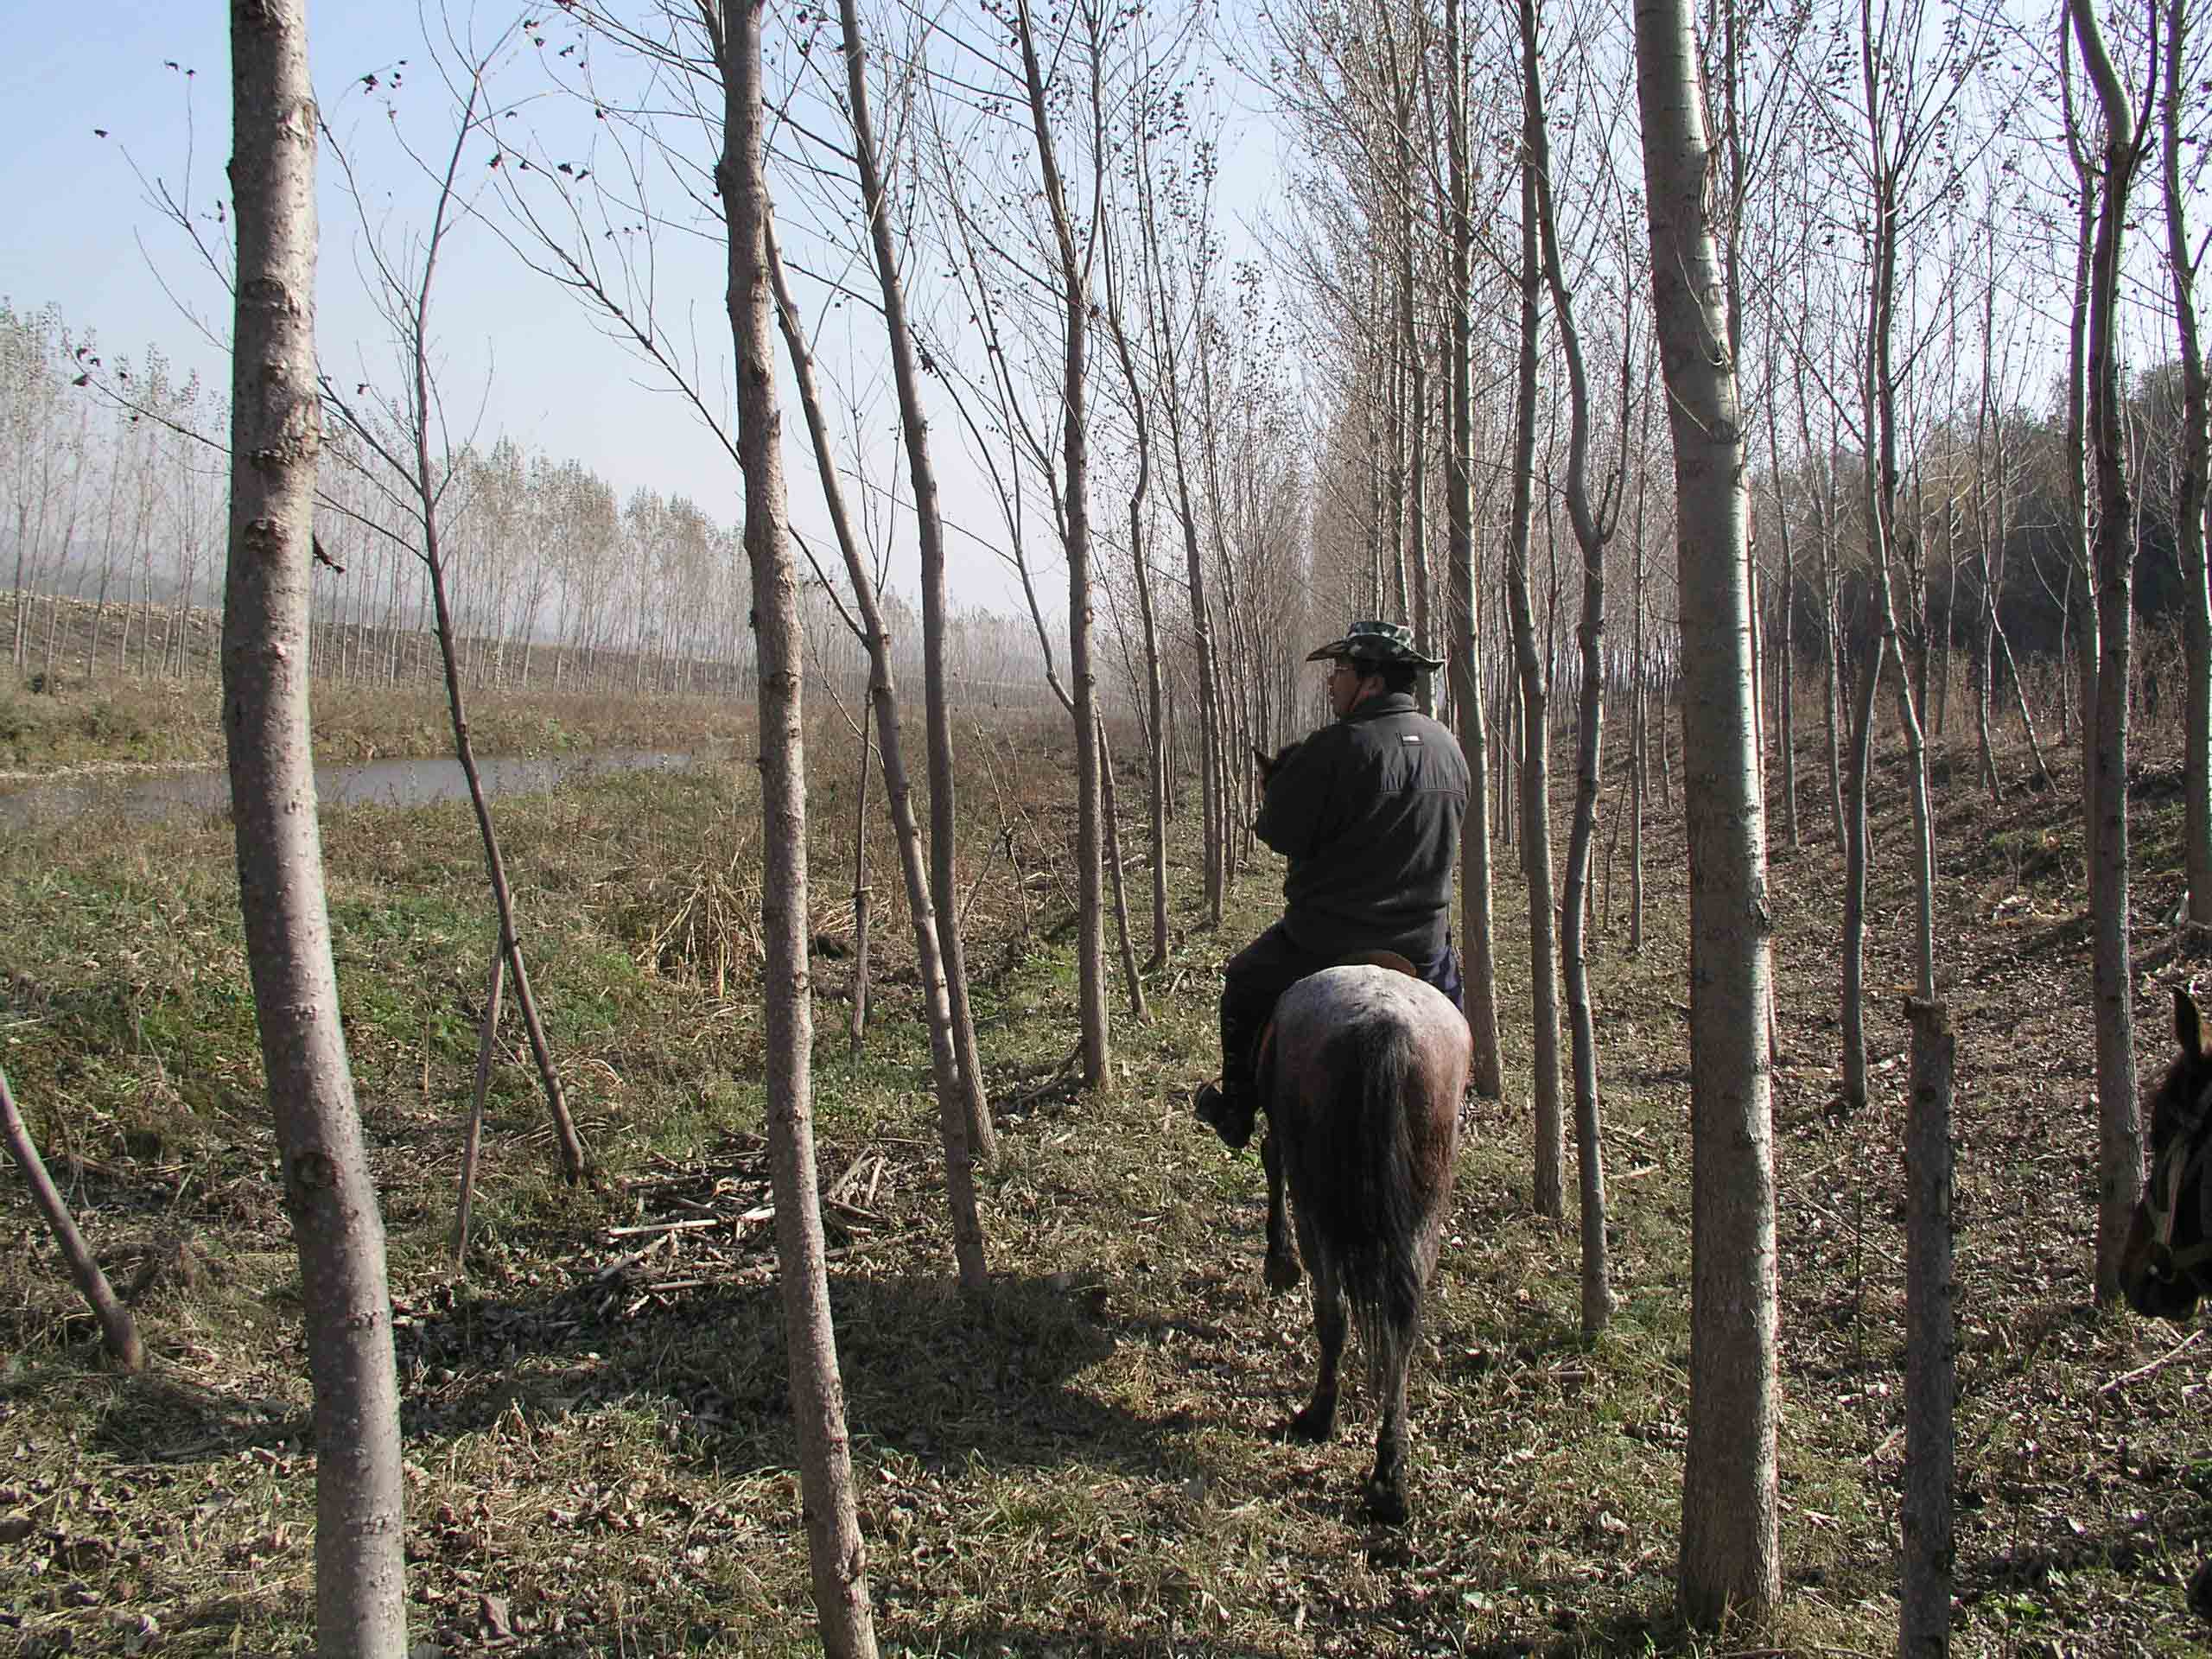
(1371, 1223)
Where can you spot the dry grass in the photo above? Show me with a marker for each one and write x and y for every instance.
(600, 1457)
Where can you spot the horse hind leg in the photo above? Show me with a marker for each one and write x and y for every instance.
(1282, 1268)
(1331, 1319)
(1386, 1487)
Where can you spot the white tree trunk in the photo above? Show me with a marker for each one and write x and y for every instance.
(1730, 1557)
(276, 437)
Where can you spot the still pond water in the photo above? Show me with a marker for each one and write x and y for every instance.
(381, 783)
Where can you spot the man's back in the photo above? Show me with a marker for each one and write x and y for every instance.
(1368, 811)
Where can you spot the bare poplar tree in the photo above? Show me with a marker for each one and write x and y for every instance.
(1466, 621)
(1593, 522)
(275, 434)
(1075, 521)
(414, 484)
(2120, 1162)
(1150, 679)
(929, 518)
(1731, 1556)
(1165, 326)
(834, 1546)
(2191, 466)
(1534, 727)
(883, 697)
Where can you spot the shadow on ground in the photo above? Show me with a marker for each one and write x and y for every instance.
(927, 1375)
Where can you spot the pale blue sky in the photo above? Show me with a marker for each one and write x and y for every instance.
(84, 236)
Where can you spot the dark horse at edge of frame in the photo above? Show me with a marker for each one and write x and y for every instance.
(1361, 1074)
(2165, 1266)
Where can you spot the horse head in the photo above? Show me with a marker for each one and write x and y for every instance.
(2167, 1264)
(1271, 764)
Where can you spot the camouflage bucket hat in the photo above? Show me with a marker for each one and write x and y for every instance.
(1375, 642)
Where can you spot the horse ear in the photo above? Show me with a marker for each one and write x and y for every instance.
(2186, 1030)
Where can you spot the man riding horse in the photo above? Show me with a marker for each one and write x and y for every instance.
(1368, 810)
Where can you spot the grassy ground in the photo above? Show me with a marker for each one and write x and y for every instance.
(123, 725)
(599, 1450)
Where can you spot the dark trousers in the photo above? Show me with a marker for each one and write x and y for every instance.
(1257, 976)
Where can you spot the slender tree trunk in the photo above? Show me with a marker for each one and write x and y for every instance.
(1731, 1562)
(928, 525)
(2120, 1163)
(2192, 466)
(472, 1140)
(1465, 651)
(2083, 634)
(276, 437)
(1930, 1361)
(556, 1104)
(1535, 791)
(1640, 763)
(1984, 654)
(857, 1016)
(1130, 977)
(1091, 907)
(1857, 783)
(883, 698)
(1782, 642)
(1156, 776)
(1880, 476)
(1591, 527)
(118, 1332)
(835, 1547)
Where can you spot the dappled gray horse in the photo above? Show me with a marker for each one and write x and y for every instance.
(1361, 1074)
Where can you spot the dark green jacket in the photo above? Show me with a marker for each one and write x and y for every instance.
(1368, 811)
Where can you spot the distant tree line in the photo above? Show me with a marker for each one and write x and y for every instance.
(113, 522)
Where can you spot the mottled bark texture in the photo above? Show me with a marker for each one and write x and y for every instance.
(275, 438)
(1731, 1560)
(838, 1557)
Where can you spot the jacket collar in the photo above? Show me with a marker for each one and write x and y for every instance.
(1386, 702)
